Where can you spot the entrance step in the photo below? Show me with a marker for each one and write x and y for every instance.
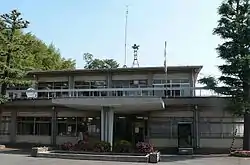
(185, 151)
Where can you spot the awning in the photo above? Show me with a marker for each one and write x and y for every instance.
(121, 104)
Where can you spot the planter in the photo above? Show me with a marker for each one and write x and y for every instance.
(36, 150)
(2, 147)
(154, 157)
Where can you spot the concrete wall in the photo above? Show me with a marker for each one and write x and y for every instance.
(4, 138)
(33, 139)
(203, 142)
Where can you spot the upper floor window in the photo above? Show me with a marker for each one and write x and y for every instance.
(90, 84)
(53, 85)
(129, 83)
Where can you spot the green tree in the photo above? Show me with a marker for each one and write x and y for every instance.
(21, 52)
(41, 56)
(91, 63)
(11, 49)
(234, 28)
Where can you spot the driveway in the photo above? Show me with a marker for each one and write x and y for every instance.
(17, 159)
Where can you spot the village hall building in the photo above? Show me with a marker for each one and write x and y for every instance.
(133, 104)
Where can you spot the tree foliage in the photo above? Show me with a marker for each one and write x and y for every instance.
(21, 52)
(234, 28)
(42, 56)
(91, 63)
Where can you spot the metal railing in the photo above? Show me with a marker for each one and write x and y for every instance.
(111, 92)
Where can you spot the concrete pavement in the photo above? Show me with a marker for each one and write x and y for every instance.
(16, 159)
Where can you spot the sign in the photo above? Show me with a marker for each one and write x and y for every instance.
(31, 93)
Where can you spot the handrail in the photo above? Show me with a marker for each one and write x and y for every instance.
(109, 89)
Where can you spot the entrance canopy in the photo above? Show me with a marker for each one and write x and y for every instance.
(119, 104)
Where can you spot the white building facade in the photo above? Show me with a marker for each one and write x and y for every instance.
(134, 104)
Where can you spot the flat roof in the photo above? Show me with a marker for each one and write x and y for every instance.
(143, 69)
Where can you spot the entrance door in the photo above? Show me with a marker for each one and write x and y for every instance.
(185, 135)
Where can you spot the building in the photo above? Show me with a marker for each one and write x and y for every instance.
(133, 104)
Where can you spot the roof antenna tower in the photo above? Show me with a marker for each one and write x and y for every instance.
(135, 62)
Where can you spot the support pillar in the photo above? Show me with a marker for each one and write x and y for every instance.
(107, 124)
(196, 127)
(13, 126)
(53, 126)
(0, 122)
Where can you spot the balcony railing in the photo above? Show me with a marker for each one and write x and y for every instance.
(111, 92)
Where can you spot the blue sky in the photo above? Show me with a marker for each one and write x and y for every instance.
(97, 27)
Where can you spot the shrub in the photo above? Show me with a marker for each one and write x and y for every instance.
(67, 146)
(102, 147)
(144, 147)
(81, 146)
(240, 153)
(123, 146)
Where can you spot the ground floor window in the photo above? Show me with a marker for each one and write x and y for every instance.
(166, 127)
(5, 123)
(34, 126)
(71, 126)
(221, 127)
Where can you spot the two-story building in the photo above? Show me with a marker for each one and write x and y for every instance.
(134, 104)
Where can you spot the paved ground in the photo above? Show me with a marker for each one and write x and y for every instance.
(17, 159)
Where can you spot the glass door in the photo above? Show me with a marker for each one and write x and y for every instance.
(185, 135)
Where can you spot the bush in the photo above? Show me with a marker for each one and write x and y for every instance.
(67, 146)
(102, 147)
(123, 146)
(240, 153)
(81, 146)
(143, 147)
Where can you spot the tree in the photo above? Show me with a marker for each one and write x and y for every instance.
(21, 52)
(92, 63)
(11, 48)
(42, 56)
(234, 28)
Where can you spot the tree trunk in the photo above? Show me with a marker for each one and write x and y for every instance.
(246, 138)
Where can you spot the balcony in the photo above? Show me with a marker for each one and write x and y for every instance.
(111, 92)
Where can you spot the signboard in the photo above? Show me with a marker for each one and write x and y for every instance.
(31, 93)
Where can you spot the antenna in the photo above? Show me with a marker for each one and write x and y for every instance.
(165, 66)
(165, 56)
(125, 45)
(135, 62)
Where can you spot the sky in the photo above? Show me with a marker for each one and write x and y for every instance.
(97, 26)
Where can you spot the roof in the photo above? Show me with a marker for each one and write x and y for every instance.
(139, 69)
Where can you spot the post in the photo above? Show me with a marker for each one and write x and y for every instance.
(53, 126)
(13, 126)
(196, 126)
(0, 122)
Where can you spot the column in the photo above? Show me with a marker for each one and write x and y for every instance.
(71, 85)
(196, 126)
(53, 126)
(0, 122)
(107, 124)
(13, 126)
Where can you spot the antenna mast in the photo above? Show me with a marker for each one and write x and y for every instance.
(135, 62)
(125, 45)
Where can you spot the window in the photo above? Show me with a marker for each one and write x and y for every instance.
(160, 129)
(219, 127)
(53, 85)
(166, 127)
(100, 84)
(4, 130)
(34, 126)
(71, 126)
